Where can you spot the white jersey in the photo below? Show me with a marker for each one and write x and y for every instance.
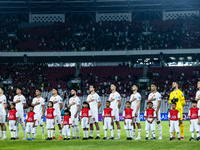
(197, 95)
(3, 101)
(116, 96)
(56, 105)
(94, 104)
(38, 108)
(134, 103)
(157, 96)
(19, 106)
(73, 108)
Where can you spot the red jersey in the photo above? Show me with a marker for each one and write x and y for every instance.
(128, 113)
(174, 115)
(30, 117)
(85, 112)
(13, 115)
(150, 113)
(194, 113)
(67, 120)
(50, 113)
(108, 112)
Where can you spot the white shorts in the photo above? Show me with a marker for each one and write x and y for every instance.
(66, 130)
(94, 117)
(116, 115)
(29, 127)
(107, 123)
(137, 119)
(2, 118)
(74, 120)
(84, 122)
(158, 117)
(194, 127)
(58, 119)
(39, 120)
(12, 125)
(149, 126)
(174, 126)
(128, 125)
(21, 117)
(49, 123)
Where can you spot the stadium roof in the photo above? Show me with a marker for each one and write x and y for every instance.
(66, 6)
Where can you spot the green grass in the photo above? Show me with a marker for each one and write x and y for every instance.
(39, 143)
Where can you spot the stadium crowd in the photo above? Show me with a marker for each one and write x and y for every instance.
(101, 36)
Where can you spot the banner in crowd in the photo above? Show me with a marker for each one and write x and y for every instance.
(164, 117)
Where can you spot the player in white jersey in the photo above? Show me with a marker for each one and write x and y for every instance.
(115, 101)
(155, 98)
(197, 97)
(3, 107)
(38, 103)
(57, 105)
(20, 103)
(135, 105)
(95, 102)
(74, 106)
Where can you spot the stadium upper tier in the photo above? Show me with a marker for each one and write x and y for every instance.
(102, 36)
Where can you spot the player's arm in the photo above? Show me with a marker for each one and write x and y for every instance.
(99, 104)
(24, 102)
(80, 120)
(8, 121)
(61, 106)
(5, 106)
(119, 103)
(170, 98)
(112, 121)
(17, 101)
(158, 107)
(138, 106)
(146, 119)
(182, 99)
(43, 110)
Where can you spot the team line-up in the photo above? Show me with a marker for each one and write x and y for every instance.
(89, 115)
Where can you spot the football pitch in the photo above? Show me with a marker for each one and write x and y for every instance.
(40, 143)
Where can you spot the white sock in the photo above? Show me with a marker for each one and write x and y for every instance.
(60, 132)
(98, 133)
(49, 133)
(17, 130)
(77, 130)
(84, 134)
(68, 132)
(4, 133)
(65, 136)
(73, 131)
(52, 133)
(12, 134)
(153, 133)
(112, 133)
(139, 133)
(28, 135)
(147, 133)
(42, 127)
(133, 132)
(171, 134)
(198, 134)
(118, 132)
(32, 135)
(105, 133)
(160, 129)
(178, 134)
(87, 133)
(192, 134)
(91, 133)
(24, 130)
(35, 131)
(1, 133)
(130, 133)
(127, 132)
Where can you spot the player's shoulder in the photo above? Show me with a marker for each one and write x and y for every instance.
(138, 94)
